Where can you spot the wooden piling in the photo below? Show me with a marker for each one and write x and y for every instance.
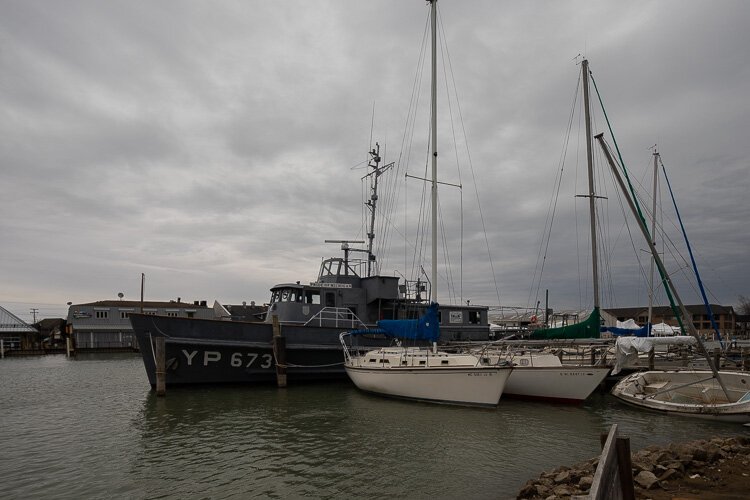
(625, 467)
(746, 359)
(279, 352)
(2, 349)
(651, 355)
(613, 479)
(161, 375)
(717, 358)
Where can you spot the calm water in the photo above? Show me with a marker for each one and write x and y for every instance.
(91, 428)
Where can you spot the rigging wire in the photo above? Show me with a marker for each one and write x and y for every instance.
(473, 175)
(552, 207)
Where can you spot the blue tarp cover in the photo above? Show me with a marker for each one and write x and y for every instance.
(618, 332)
(425, 328)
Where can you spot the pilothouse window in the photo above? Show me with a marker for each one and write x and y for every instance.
(312, 297)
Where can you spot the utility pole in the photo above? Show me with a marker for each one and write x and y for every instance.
(34, 311)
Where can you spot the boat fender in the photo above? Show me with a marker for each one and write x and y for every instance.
(533, 318)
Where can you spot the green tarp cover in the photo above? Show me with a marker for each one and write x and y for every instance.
(588, 329)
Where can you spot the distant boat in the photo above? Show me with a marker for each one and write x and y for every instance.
(425, 374)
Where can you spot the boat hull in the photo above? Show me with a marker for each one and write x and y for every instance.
(562, 384)
(219, 352)
(667, 392)
(471, 386)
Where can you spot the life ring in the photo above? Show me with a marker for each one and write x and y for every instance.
(533, 318)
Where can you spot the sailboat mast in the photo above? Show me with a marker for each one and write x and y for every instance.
(434, 277)
(375, 165)
(653, 235)
(660, 264)
(591, 195)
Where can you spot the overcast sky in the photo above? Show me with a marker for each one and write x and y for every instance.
(212, 145)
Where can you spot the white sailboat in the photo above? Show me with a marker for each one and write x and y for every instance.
(710, 393)
(421, 373)
(542, 376)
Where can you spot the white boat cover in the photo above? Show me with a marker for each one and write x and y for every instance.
(664, 329)
(629, 324)
(628, 348)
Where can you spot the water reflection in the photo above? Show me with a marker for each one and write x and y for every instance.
(92, 428)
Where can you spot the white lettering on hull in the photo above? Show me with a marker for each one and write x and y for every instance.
(236, 359)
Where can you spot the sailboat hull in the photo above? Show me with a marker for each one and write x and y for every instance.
(471, 386)
(691, 393)
(562, 384)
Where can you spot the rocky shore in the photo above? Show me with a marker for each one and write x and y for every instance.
(715, 469)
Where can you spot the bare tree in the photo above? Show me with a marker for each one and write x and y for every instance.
(743, 305)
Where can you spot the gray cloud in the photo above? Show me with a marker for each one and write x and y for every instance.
(213, 146)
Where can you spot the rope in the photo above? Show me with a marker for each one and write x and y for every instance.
(635, 200)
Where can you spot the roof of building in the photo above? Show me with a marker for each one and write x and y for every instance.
(9, 322)
(137, 303)
(632, 312)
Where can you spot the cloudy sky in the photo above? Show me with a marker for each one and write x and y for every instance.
(214, 146)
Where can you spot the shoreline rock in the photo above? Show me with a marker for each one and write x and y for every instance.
(654, 468)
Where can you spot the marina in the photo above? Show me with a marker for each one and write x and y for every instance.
(92, 427)
(422, 353)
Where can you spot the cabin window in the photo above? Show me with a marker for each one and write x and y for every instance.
(124, 314)
(353, 310)
(474, 317)
(190, 314)
(172, 314)
(285, 295)
(422, 362)
(312, 297)
(102, 314)
(330, 299)
(443, 361)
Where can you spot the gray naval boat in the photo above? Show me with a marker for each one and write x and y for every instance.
(310, 318)
(347, 294)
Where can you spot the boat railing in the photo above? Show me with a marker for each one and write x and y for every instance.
(339, 317)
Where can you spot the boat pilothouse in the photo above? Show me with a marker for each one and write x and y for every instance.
(341, 296)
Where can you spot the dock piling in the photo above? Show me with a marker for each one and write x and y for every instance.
(160, 355)
(651, 355)
(279, 352)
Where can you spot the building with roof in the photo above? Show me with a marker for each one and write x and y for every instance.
(106, 324)
(15, 333)
(725, 317)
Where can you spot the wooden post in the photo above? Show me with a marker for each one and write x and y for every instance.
(593, 356)
(684, 356)
(651, 359)
(279, 352)
(67, 346)
(745, 359)
(613, 479)
(717, 358)
(160, 355)
(2, 349)
(625, 467)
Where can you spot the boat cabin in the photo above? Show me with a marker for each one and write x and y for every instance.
(341, 293)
